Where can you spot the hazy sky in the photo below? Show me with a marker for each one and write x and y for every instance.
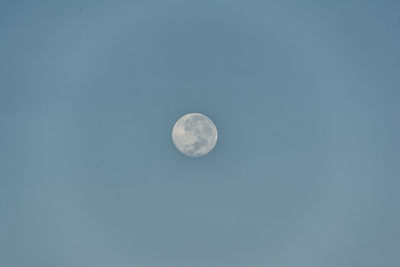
(305, 97)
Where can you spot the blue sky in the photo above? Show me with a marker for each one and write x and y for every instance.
(305, 98)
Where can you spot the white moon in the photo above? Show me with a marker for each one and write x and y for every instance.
(194, 135)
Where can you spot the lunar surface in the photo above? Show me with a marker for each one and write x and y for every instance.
(194, 135)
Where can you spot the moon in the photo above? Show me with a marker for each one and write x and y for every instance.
(194, 135)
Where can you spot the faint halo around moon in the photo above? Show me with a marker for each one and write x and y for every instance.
(194, 135)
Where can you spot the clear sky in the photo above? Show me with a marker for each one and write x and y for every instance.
(305, 97)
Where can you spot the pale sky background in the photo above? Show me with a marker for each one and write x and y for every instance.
(305, 97)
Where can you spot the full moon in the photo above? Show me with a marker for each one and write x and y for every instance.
(194, 135)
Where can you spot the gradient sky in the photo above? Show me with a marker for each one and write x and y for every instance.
(305, 97)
